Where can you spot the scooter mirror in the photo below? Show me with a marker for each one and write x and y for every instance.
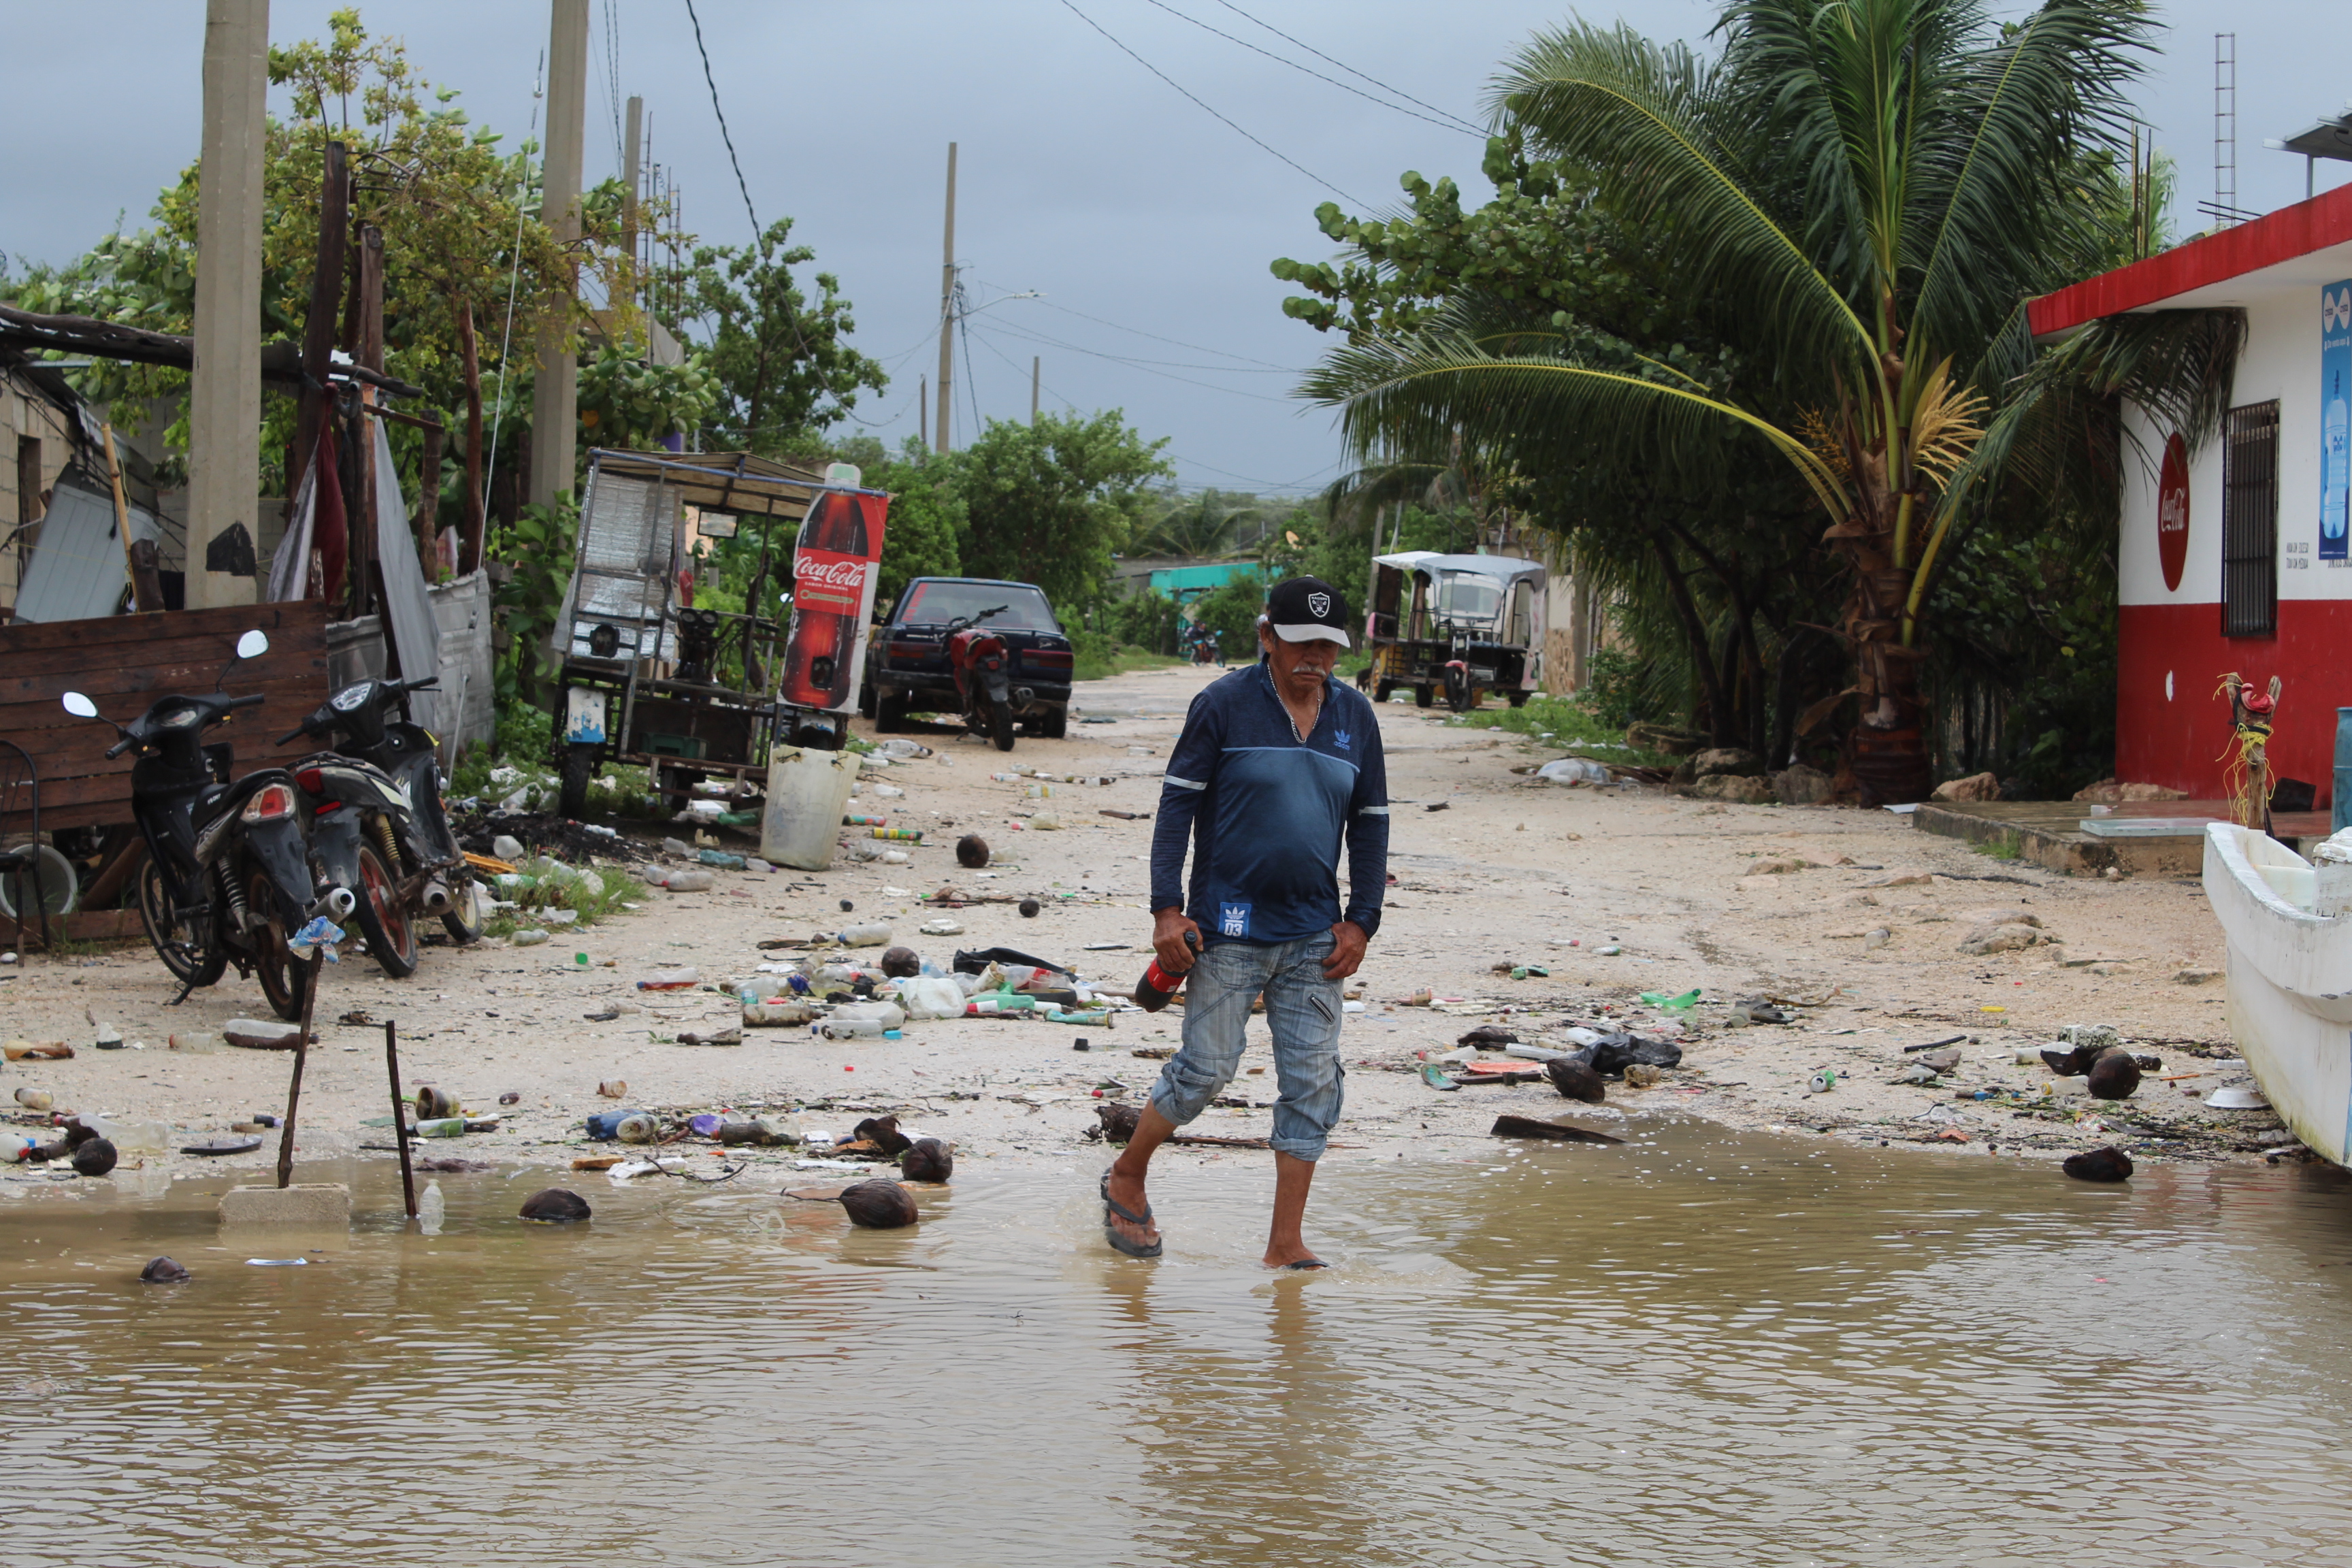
(80, 707)
(253, 645)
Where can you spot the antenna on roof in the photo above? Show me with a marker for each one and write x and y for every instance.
(2225, 128)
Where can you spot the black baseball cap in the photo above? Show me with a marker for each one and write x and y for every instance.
(1307, 609)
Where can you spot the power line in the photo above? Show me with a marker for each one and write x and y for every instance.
(1163, 76)
(1209, 386)
(1178, 343)
(723, 134)
(1318, 75)
(1174, 363)
(1351, 71)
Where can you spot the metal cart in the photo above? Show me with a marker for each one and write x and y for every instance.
(1460, 625)
(639, 672)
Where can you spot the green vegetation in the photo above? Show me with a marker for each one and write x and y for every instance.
(2003, 846)
(568, 892)
(1742, 331)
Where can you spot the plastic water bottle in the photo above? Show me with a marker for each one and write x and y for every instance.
(672, 980)
(605, 1125)
(864, 936)
(1154, 991)
(131, 1137)
(857, 1029)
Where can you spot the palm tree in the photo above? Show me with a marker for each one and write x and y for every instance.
(1863, 193)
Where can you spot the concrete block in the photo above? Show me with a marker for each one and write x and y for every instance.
(322, 1206)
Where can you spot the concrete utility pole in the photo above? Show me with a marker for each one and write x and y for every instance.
(555, 397)
(629, 193)
(1034, 360)
(946, 308)
(923, 410)
(225, 391)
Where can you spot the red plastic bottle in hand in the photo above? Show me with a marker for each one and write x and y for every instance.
(829, 569)
(1154, 991)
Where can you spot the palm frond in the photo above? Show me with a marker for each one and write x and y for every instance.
(1413, 396)
(1640, 117)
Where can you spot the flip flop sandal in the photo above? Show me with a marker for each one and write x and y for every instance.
(1110, 1232)
(1306, 1263)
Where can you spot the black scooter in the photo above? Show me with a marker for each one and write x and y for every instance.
(392, 828)
(227, 874)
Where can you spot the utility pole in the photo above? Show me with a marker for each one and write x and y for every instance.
(947, 307)
(629, 195)
(923, 408)
(555, 397)
(225, 391)
(1034, 359)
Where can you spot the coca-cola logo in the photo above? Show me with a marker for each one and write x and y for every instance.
(846, 572)
(2172, 512)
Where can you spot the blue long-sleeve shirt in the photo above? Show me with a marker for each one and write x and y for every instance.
(1267, 814)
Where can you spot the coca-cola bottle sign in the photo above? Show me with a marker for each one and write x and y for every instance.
(2172, 512)
(832, 598)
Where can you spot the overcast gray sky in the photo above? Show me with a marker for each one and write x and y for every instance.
(1136, 215)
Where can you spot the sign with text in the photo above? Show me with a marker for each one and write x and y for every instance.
(2334, 420)
(2172, 512)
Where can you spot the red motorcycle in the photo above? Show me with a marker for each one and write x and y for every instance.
(982, 676)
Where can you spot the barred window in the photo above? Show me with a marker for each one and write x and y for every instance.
(2250, 522)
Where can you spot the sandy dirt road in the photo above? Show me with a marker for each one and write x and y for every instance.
(1507, 870)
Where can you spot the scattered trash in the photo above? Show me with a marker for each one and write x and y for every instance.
(2114, 1076)
(2105, 1164)
(1488, 1038)
(2238, 1099)
(684, 881)
(612, 1088)
(163, 1271)
(1680, 1003)
(684, 979)
(1573, 771)
(769, 1012)
(878, 1206)
(903, 835)
(1874, 940)
(261, 1034)
(1949, 1040)
(1439, 805)
(943, 927)
(277, 1262)
(511, 1096)
(1916, 1073)
(902, 963)
(1029, 907)
(1641, 1075)
(1822, 1081)
(47, 1051)
(929, 1160)
(319, 936)
(871, 934)
(732, 1036)
(532, 936)
(225, 1145)
(35, 1099)
(1125, 816)
(1576, 1079)
(1549, 1131)
(109, 1038)
(1758, 1010)
(555, 1206)
(1437, 1077)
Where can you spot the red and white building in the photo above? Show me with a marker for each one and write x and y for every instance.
(2236, 559)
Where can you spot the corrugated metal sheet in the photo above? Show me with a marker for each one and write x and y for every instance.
(79, 571)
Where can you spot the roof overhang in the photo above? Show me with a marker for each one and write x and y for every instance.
(2304, 245)
(732, 482)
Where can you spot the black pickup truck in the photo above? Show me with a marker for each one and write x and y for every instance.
(906, 659)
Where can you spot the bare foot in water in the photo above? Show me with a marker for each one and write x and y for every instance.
(1294, 1255)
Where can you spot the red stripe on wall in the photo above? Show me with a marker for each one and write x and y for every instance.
(2179, 743)
(2315, 224)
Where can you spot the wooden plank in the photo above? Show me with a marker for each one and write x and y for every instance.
(290, 617)
(83, 925)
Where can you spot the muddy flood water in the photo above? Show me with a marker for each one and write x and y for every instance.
(1701, 1348)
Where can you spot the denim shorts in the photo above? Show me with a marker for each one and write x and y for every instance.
(1302, 1008)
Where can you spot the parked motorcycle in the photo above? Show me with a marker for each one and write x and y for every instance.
(227, 874)
(383, 821)
(982, 676)
(1200, 644)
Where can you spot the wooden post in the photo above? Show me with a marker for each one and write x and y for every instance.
(469, 542)
(319, 324)
(947, 312)
(140, 591)
(399, 1131)
(428, 507)
(301, 1054)
(224, 379)
(364, 332)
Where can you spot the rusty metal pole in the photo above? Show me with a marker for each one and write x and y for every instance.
(301, 1054)
(399, 1131)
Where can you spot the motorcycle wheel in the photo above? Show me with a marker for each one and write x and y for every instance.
(999, 725)
(193, 957)
(1460, 695)
(1423, 696)
(282, 977)
(1515, 698)
(391, 938)
(464, 920)
(890, 714)
(1381, 689)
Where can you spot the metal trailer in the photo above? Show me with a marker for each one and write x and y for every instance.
(1459, 625)
(636, 684)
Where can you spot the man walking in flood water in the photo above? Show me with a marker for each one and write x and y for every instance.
(1277, 764)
